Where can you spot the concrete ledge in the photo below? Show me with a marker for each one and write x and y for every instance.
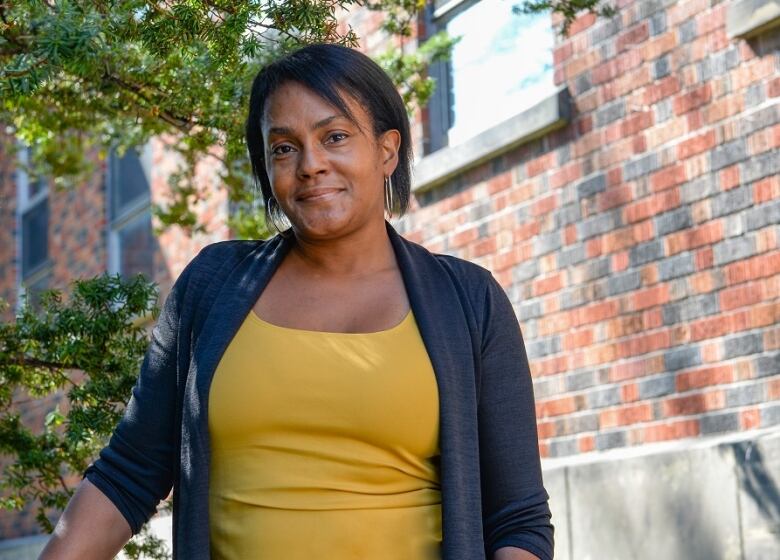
(700, 499)
(748, 18)
(544, 117)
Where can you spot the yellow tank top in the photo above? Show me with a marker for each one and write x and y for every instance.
(324, 445)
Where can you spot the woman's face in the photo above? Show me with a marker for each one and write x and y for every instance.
(326, 173)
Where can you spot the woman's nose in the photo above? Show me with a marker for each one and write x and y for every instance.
(312, 161)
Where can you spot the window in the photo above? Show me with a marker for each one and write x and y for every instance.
(34, 265)
(132, 244)
(501, 66)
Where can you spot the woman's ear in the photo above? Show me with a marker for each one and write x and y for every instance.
(389, 144)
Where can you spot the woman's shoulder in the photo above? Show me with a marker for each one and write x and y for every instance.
(220, 256)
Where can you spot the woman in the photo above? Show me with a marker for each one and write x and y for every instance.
(336, 391)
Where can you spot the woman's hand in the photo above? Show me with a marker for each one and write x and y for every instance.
(512, 553)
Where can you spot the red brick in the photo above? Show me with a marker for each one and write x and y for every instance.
(667, 178)
(650, 297)
(671, 431)
(636, 368)
(729, 177)
(749, 419)
(703, 282)
(581, 23)
(773, 389)
(580, 338)
(551, 366)
(555, 407)
(544, 205)
(626, 415)
(586, 443)
(562, 53)
(541, 164)
(659, 45)
(546, 285)
(570, 234)
(620, 261)
(623, 325)
(483, 247)
(515, 255)
(554, 323)
(773, 88)
(660, 90)
(593, 247)
(705, 377)
(594, 313)
(704, 258)
(629, 392)
(651, 205)
(740, 296)
(566, 174)
(696, 145)
(692, 99)
(709, 327)
(637, 34)
(499, 183)
(545, 429)
(764, 315)
(642, 344)
(464, 237)
(694, 404)
(722, 108)
(706, 234)
(760, 266)
(612, 197)
(711, 20)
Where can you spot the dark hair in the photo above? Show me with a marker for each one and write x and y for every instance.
(328, 70)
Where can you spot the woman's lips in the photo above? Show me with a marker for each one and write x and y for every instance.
(315, 195)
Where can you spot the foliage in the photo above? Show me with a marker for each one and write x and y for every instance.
(89, 350)
(78, 77)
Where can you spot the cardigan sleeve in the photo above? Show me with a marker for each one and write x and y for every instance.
(135, 470)
(514, 501)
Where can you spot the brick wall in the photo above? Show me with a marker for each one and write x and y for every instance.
(639, 245)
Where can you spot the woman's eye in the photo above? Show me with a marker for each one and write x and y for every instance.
(337, 136)
(281, 150)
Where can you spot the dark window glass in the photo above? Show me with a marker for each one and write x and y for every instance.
(35, 187)
(137, 247)
(129, 182)
(35, 237)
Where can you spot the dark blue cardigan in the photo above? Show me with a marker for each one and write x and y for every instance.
(492, 492)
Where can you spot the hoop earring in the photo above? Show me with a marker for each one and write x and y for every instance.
(389, 196)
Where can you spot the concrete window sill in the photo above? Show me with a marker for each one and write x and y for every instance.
(748, 18)
(549, 114)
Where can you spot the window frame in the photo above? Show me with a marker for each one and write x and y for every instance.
(42, 271)
(441, 162)
(131, 212)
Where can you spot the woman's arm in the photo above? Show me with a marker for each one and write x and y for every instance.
(516, 514)
(512, 553)
(91, 528)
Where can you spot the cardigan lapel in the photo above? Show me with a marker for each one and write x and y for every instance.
(441, 319)
(227, 310)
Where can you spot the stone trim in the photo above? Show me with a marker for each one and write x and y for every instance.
(549, 114)
(748, 18)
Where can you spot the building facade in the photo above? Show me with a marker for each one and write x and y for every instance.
(622, 183)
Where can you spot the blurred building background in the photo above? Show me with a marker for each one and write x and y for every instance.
(623, 185)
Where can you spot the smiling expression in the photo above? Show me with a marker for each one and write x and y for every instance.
(326, 171)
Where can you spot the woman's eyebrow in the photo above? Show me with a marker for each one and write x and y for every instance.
(284, 130)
